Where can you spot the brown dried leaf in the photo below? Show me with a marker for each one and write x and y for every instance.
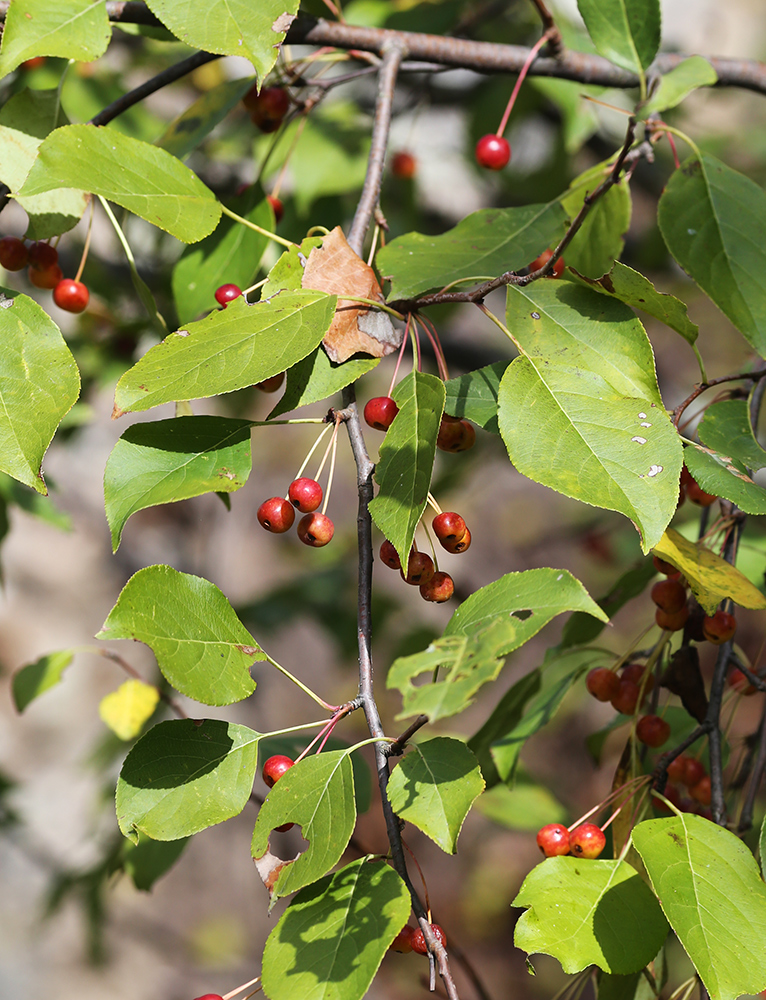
(269, 866)
(335, 268)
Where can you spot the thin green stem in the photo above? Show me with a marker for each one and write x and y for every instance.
(258, 229)
(294, 729)
(301, 685)
(681, 135)
(374, 303)
(490, 315)
(313, 448)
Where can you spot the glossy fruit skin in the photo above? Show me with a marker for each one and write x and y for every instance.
(740, 683)
(42, 256)
(694, 772)
(438, 589)
(669, 595)
(455, 434)
(677, 768)
(674, 622)
(701, 791)
(697, 495)
(460, 545)
(71, 295)
(635, 672)
(545, 256)
(720, 628)
(276, 206)
(626, 699)
(275, 767)
(602, 683)
(379, 412)
(403, 940)
(47, 277)
(226, 294)
(492, 152)
(13, 253)
(210, 996)
(272, 383)
(404, 165)
(419, 942)
(389, 555)
(420, 569)
(315, 530)
(305, 494)
(553, 840)
(276, 514)
(449, 526)
(652, 730)
(587, 841)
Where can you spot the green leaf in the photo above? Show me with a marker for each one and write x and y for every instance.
(632, 288)
(287, 273)
(127, 709)
(725, 427)
(712, 219)
(236, 347)
(331, 940)
(39, 383)
(168, 460)
(230, 254)
(466, 662)
(316, 377)
(724, 477)
(599, 241)
(474, 395)
(71, 29)
(194, 125)
(589, 913)
(407, 459)
(36, 678)
(762, 846)
(317, 793)
(679, 83)
(231, 27)
(528, 600)
(710, 889)
(293, 744)
(483, 245)
(184, 776)
(505, 717)
(136, 175)
(202, 648)
(434, 788)
(580, 411)
(627, 32)
(148, 860)
(581, 627)
(526, 806)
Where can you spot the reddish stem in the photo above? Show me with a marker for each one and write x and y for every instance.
(524, 70)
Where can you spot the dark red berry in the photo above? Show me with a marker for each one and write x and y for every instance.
(275, 767)
(459, 545)
(419, 942)
(553, 840)
(276, 206)
(404, 165)
(305, 494)
(696, 494)
(626, 699)
(635, 672)
(276, 514)
(71, 295)
(455, 434)
(226, 294)
(267, 108)
(674, 622)
(669, 595)
(389, 555)
(315, 530)
(449, 526)
(420, 569)
(740, 683)
(720, 628)
(47, 277)
(587, 841)
(677, 768)
(272, 383)
(380, 412)
(694, 772)
(701, 791)
(403, 940)
(438, 589)
(542, 260)
(492, 152)
(665, 567)
(652, 730)
(13, 253)
(42, 256)
(602, 683)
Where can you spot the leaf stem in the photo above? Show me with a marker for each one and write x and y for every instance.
(258, 229)
(300, 684)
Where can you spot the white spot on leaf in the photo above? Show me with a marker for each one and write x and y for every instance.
(654, 471)
(638, 440)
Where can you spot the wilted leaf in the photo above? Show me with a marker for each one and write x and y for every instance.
(127, 709)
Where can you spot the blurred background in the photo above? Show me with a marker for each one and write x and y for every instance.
(72, 922)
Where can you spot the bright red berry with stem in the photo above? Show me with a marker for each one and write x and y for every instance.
(587, 841)
(380, 411)
(42, 256)
(276, 206)
(225, 294)
(459, 545)
(389, 555)
(276, 514)
(602, 683)
(652, 730)
(71, 295)
(553, 840)
(272, 383)
(403, 940)
(420, 569)
(438, 589)
(492, 152)
(275, 767)
(305, 494)
(315, 530)
(13, 253)
(449, 526)
(47, 277)
(419, 941)
(542, 260)
(404, 165)
(720, 628)
(669, 595)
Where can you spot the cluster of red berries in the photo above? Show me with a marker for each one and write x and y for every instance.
(584, 841)
(277, 514)
(673, 608)
(454, 536)
(690, 773)
(622, 690)
(413, 939)
(41, 259)
(267, 108)
(272, 771)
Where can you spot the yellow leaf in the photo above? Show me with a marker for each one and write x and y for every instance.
(127, 709)
(710, 577)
